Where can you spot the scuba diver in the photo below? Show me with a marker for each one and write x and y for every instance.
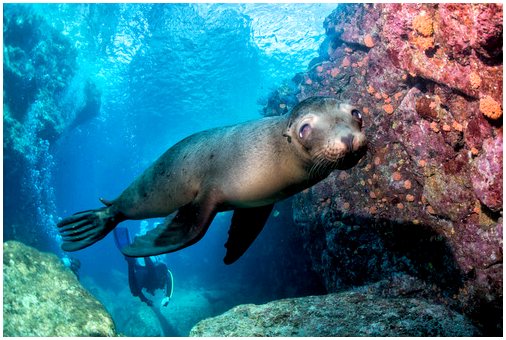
(72, 263)
(145, 272)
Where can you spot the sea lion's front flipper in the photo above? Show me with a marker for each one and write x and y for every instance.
(186, 228)
(247, 223)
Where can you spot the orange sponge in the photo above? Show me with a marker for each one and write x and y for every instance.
(490, 108)
(423, 24)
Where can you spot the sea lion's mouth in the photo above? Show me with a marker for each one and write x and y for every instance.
(335, 158)
(351, 159)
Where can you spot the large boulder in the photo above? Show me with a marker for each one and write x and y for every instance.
(427, 199)
(343, 314)
(44, 298)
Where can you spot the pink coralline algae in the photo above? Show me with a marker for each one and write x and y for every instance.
(427, 198)
(487, 174)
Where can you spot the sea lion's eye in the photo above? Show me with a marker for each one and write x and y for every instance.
(357, 115)
(304, 131)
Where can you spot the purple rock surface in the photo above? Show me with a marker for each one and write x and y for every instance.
(487, 174)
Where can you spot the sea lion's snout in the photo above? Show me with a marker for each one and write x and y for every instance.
(348, 141)
(354, 140)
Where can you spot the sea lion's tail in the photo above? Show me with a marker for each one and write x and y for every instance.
(84, 228)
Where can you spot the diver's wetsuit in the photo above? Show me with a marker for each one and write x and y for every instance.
(151, 276)
(73, 264)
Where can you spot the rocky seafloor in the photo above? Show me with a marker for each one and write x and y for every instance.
(41, 297)
(342, 314)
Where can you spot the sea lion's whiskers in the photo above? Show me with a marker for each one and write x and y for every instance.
(315, 169)
(320, 165)
(319, 156)
(326, 160)
(313, 165)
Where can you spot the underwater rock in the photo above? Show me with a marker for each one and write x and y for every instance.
(427, 198)
(280, 101)
(39, 63)
(44, 298)
(487, 174)
(44, 96)
(343, 314)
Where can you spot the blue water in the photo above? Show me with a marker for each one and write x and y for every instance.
(165, 71)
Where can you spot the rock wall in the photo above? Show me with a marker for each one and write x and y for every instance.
(43, 97)
(427, 199)
(43, 298)
(358, 314)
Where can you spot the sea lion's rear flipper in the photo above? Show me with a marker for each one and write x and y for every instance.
(186, 228)
(87, 227)
(246, 224)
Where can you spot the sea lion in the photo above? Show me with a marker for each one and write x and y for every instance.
(245, 167)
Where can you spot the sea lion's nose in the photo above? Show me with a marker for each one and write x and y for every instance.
(348, 141)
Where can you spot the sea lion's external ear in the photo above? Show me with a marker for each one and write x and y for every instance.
(288, 129)
(288, 138)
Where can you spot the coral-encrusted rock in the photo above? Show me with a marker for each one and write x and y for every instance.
(487, 41)
(344, 314)
(447, 189)
(487, 174)
(476, 131)
(43, 298)
(427, 198)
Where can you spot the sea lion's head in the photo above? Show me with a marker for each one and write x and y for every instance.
(328, 132)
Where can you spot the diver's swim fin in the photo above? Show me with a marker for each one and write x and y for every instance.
(87, 227)
(247, 223)
(121, 237)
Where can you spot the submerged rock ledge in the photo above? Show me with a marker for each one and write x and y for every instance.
(342, 314)
(43, 298)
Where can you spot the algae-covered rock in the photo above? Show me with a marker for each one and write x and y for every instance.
(43, 298)
(343, 314)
